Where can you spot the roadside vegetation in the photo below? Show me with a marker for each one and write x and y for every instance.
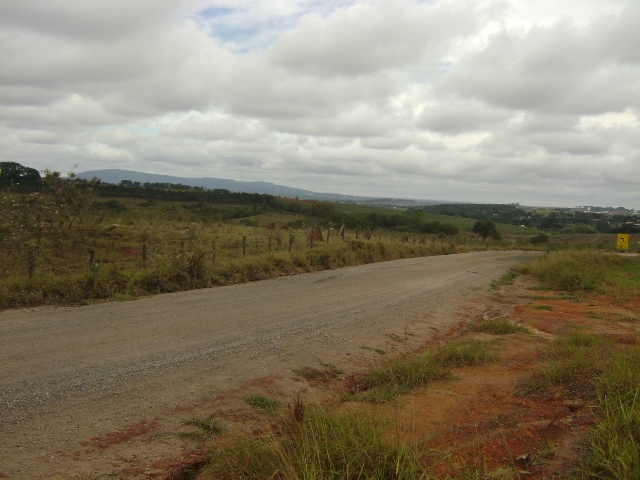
(71, 241)
(353, 441)
(581, 271)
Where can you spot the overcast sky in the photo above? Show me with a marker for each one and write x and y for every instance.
(501, 101)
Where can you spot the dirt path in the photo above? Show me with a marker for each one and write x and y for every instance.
(102, 389)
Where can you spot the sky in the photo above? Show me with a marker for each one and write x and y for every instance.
(488, 101)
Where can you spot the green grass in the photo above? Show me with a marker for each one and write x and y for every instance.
(506, 279)
(405, 373)
(319, 445)
(260, 401)
(615, 440)
(123, 297)
(207, 427)
(497, 327)
(623, 279)
(577, 357)
(586, 271)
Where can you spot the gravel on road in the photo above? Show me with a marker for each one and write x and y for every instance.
(70, 376)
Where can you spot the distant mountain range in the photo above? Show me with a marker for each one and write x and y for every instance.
(115, 176)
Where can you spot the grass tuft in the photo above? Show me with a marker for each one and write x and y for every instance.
(580, 270)
(208, 427)
(405, 373)
(260, 401)
(615, 441)
(506, 279)
(322, 445)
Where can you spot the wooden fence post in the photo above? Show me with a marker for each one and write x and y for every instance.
(144, 255)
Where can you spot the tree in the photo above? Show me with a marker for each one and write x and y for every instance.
(485, 229)
(12, 173)
(324, 210)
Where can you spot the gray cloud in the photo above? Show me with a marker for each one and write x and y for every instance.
(458, 100)
(367, 38)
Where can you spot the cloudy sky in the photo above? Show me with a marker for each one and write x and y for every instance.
(499, 101)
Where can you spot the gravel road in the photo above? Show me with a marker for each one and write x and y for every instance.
(72, 379)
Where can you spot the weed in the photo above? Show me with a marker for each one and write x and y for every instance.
(207, 427)
(314, 374)
(260, 401)
(396, 338)
(411, 371)
(377, 350)
(123, 297)
(497, 327)
(615, 441)
(548, 308)
(465, 353)
(571, 297)
(320, 445)
(595, 315)
(583, 270)
(506, 279)
(578, 357)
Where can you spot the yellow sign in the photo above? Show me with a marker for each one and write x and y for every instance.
(623, 241)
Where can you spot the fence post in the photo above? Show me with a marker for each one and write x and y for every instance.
(269, 244)
(244, 246)
(311, 237)
(290, 240)
(144, 255)
(328, 233)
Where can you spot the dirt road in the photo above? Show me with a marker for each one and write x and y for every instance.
(102, 389)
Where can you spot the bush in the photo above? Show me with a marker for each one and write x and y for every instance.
(540, 238)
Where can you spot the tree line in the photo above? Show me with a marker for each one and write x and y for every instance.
(575, 221)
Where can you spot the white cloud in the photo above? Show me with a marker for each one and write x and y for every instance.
(366, 38)
(491, 100)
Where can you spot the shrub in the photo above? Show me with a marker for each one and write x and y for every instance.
(540, 238)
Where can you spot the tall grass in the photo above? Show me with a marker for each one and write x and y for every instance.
(615, 441)
(575, 270)
(321, 445)
(199, 266)
(576, 356)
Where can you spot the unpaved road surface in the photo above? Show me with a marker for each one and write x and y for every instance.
(101, 390)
